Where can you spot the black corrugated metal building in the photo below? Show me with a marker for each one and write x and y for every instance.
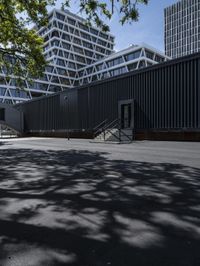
(161, 101)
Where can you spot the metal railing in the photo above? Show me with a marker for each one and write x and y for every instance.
(98, 129)
(107, 127)
(6, 132)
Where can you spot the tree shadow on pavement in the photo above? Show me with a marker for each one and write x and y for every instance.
(81, 208)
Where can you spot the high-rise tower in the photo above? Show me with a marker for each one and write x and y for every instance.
(182, 28)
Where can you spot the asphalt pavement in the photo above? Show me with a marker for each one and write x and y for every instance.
(77, 203)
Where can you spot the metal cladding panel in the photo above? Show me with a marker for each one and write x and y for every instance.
(103, 101)
(166, 96)
(12, 117)
(42, 114)
(51, 113)
(68, 110)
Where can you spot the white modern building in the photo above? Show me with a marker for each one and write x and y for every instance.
(77, 54)
(69, 46)
(182, 28)
(132, 58)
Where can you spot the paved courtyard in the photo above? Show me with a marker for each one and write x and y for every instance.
(76, 203)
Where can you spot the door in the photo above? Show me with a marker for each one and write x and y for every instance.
(126, 114)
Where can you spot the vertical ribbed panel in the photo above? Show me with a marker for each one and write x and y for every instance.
(166, 97)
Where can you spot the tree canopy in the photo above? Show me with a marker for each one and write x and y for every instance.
(21, 49)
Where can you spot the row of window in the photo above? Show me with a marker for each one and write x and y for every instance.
(192, 48)
(182, 13)
(190, 5)
(182, 39)
(129, 57)
(14, 93)
(182, 26)
(82, 51)
(83, 26)
(118, 71)
(67, 37)
(182, 33)
(75, 32)
(180, 44)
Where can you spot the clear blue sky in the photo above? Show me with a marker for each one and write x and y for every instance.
(149, 29)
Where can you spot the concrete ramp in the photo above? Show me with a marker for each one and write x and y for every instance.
(12, 118)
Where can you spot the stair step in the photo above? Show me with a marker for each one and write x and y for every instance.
(112, 136)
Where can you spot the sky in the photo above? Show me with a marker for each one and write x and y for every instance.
(149, 29)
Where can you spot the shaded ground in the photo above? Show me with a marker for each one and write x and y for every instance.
(65, 203)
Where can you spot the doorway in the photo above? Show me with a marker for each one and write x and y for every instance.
(126, 114)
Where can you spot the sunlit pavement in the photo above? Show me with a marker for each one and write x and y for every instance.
(79, 203)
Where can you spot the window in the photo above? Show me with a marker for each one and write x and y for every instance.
(115, 62)
(55, 34)
(93, 31)
(55, 43)
(83, 26)
(77, 41)
(80, 59)
(60, 16)
(55, 80)
(118, 71)
(103, 35)
(133, 55)
(65, 37)
(88, 61)
(71, 65)
(49, 69)
(64, 81)
(87, 45)
(72, 74)
(142, 64)
(159, 59)
(100, 50)
(99, 67)
(132, 66)
(149, 55)
(78, 50)
(65, 45)
(60, 62)
(71, 21)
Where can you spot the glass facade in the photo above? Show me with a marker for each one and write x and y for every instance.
(182, 28)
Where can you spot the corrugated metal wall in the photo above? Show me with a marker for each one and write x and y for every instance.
(166, 96)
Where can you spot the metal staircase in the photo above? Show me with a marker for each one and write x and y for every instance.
(7, 132)
(112, 132)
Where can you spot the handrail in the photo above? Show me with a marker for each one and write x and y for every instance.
(99, 125)
(104, 126)
(113, 134)
(110, 125)
(7, 131)
(121, 131)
